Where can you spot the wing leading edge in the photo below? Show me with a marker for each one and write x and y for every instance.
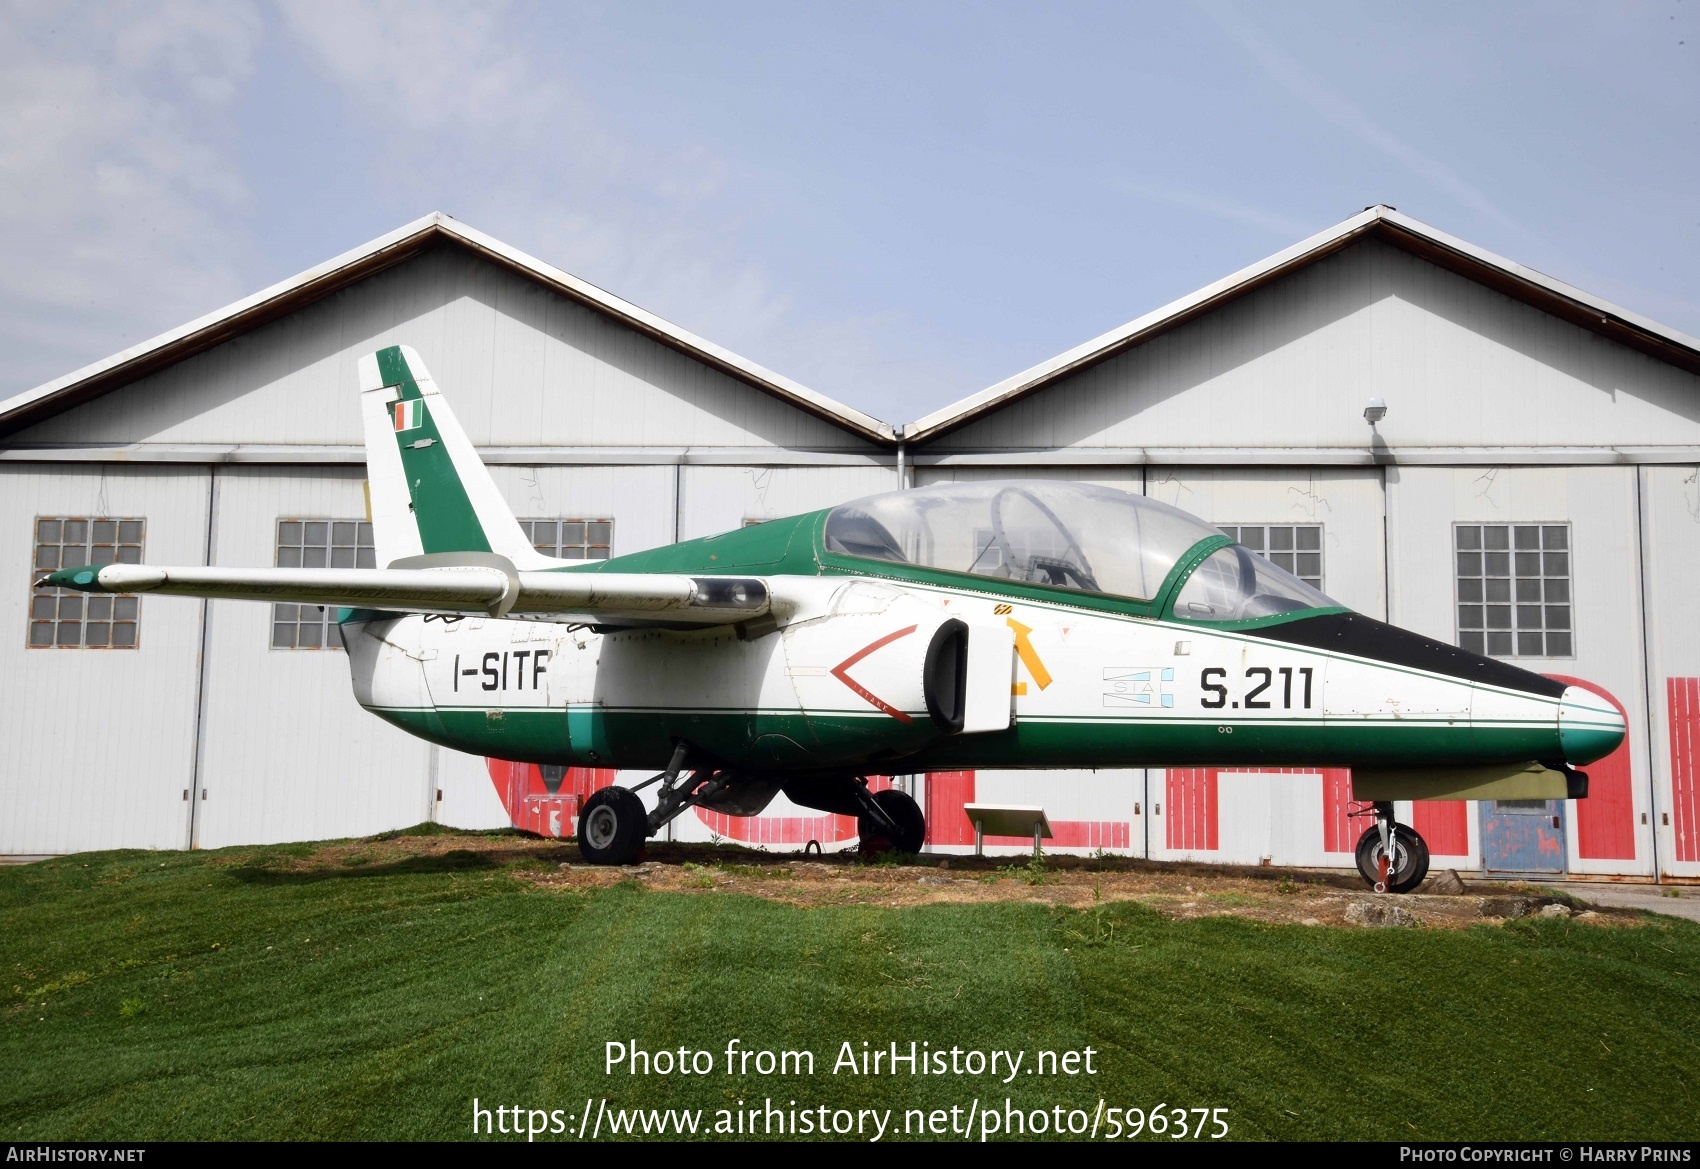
(495, 589)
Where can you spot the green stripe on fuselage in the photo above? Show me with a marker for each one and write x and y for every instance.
(643, 738)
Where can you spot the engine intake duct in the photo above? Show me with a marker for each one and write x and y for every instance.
(944, 676)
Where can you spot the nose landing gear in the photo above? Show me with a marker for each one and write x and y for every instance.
(1391, 857)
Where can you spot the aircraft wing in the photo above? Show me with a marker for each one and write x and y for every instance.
(481, 590)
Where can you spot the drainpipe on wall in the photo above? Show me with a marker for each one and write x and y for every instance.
(203, 668)
(678, 501)
(1647, 683)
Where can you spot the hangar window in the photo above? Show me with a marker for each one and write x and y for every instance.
(1514, 590)
(571, 539)
(303, 543)
(1294, 547)
(65, 618)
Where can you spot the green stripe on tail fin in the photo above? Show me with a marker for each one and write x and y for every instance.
(447, 520)
(430, 492)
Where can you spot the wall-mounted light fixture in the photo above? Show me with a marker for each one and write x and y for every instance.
(1374, 411)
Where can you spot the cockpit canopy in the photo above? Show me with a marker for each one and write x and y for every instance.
(1066, 535)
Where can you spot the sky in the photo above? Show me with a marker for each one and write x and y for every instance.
(895, 204)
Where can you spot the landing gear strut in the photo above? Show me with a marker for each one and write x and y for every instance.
(1391, 857)
(886, 821)
(613, 826)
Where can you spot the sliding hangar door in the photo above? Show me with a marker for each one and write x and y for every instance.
(1670, 527)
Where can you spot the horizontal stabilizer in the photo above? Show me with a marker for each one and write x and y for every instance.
(492, 590)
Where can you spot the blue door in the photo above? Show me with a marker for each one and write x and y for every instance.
(1523, 836)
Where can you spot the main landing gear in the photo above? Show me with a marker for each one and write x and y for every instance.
(1391, 857)
(904, 828)
(614, 825)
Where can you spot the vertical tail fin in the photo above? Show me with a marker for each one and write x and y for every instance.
(430, 492)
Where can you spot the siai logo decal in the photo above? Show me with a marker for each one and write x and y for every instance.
(1145, 686)
(409, 414)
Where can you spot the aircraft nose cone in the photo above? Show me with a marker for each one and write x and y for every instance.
(1589, 727)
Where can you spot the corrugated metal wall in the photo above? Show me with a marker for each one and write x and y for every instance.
(1599, 504)
(99, 743)
(523, 366)
(1288, 367)
(288, 754)
(718, 499)
(1670, 517)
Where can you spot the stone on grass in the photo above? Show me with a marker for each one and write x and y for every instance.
(1507, 907)
(1380, 914)
(1448, 883)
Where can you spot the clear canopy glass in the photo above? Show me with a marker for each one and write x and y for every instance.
(1068, 535)
(1071, 535)
(1236, 584)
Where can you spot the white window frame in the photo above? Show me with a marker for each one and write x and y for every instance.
(1319, 582)
(334, 551)
(1553, 562)
(590, 548)
(56, 609)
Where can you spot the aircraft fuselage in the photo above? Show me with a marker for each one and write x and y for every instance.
(1086, 689)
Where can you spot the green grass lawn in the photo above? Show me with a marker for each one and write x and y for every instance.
(221, 995)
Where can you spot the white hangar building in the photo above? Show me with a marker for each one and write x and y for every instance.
(1533, 491)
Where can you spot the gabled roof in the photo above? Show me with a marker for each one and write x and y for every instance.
(1380, 222)
(280, 299)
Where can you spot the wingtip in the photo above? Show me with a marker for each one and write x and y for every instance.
(86, 579)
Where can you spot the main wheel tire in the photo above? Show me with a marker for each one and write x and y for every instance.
(1410, 855)
(905, 813)
(612, 827)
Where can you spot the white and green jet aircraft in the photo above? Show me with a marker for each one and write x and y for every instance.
(1023, 624)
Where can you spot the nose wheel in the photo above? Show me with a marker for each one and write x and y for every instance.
(1391, 857)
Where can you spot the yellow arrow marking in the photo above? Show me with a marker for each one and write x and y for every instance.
(1028, 655)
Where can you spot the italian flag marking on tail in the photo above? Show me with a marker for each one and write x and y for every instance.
(409, 414)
